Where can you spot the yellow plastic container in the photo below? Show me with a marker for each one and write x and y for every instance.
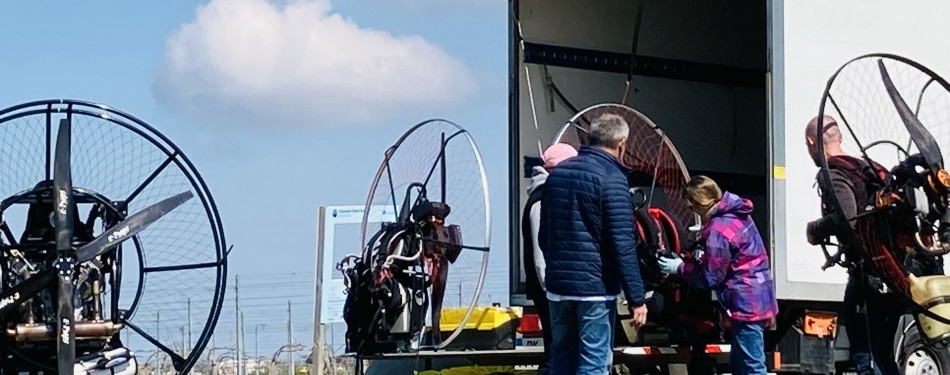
(478, 370)
(482, 319)
(927, 291)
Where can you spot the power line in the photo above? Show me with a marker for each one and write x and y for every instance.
(260, 302)
(257, 302)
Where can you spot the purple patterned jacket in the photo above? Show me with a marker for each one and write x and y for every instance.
(734, 262)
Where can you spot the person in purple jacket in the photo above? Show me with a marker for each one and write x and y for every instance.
(734, 263)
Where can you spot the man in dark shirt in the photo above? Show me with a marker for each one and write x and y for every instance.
(843, 187)
(871, 334)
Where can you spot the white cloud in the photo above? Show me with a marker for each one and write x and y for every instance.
(254, 63)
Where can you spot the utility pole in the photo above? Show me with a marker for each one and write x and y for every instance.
(244, 343)
(189, 326)
(290, 339)
(237, 322)
(213, 346)
(257, 355)
(158, 337)
(319, 329)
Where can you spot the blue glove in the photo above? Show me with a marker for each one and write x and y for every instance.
(670, 265)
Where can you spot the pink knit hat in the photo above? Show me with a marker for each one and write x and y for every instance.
(557, 153)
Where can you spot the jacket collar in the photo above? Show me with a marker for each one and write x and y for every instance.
(598, 152)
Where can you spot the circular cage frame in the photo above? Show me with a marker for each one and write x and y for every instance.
(824, 174)
(175, 155)
(381, 175)
(683, 214)
(656, 157)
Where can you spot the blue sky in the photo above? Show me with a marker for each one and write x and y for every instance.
(277, 137)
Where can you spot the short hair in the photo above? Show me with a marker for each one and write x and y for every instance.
(832, 135)
(830, 132)
(607, 130)
(702, 192)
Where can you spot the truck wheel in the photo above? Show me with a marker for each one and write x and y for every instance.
(916, 357)
(925, 361)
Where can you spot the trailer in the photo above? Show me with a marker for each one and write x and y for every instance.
(732, 84)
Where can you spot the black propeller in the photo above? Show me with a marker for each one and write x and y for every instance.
(925, 142)
(63, 207)
(68, 257)
(929, 149)
(107, 240)
(131, 226)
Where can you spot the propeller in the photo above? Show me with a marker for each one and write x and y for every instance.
(103, 195)
(109, 239)
(63, 210)
(63, 207)
(929, 150)
(131, 226)
(925, 142)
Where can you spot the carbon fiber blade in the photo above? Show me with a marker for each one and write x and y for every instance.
(26, 290)
(119, 233)
(66, 260)
(918, 133)
(131, 226)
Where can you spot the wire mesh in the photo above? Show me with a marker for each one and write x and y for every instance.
(858, 100)
(126, 160)
(415, 158)
(655, 164)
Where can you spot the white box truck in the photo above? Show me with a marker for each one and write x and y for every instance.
(732, 83)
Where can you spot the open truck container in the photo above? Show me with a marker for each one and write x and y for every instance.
(732, 84)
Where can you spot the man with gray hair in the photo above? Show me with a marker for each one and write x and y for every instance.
(587, 237)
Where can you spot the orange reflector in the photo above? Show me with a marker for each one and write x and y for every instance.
(944, 178)
(820, 323)
(776, 360)
(883, 199)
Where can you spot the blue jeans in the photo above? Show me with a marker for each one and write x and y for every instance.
(747, 355)
(583, 337)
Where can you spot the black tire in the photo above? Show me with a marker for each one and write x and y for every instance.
(923, 359)
(916, 356)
